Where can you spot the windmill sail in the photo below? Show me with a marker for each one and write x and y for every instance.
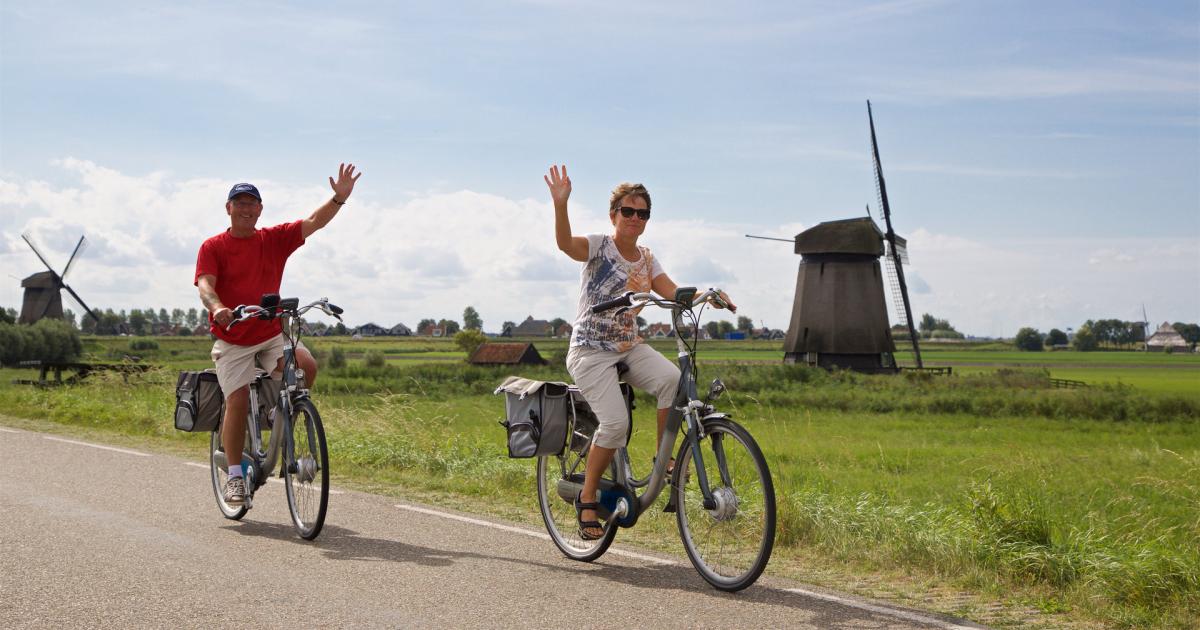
(895, 245)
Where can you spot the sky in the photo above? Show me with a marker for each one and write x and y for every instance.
(1043, 159)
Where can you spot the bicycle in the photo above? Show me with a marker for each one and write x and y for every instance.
(723, 500)
(297, 437)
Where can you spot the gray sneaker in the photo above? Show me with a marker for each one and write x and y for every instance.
(235, 491)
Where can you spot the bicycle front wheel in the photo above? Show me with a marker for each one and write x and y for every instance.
(306, 475)
(559, 513)
(729, 542)
(219, 477)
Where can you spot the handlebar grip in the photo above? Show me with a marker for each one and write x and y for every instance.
(624, 300)
(337, 310)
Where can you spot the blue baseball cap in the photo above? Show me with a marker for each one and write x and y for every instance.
(248, 189)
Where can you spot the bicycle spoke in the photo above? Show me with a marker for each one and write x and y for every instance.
(730, 543)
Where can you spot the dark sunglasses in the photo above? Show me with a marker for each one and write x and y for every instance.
(628, 212)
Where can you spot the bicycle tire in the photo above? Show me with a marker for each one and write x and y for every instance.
(559, 514)
(219, 476)
(306, 478)
(731, 544)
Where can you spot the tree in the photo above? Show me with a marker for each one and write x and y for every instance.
(163, 316)
(138, 321)
(1190, 332)
(1056, 337)
(471, 319)
(556, 322)
(1085, 338)
(745, 323)
(641, 322)
(178, 316)
(469, 340)
(193, 317)
(6, 317)
(724, 328)
(69, 317)
(448, 326)
(1028, 339)
(425, 323)
(714, 329)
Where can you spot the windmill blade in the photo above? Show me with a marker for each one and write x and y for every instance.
(79, 247)
(39, 254)
(895, 248)
(80, 301)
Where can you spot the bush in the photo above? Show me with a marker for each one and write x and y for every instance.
(143, 344)
(47, 340)
(374, 359)
(469, 340)
(1028, 339)
(337, 357)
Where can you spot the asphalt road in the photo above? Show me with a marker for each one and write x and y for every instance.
(99, 536)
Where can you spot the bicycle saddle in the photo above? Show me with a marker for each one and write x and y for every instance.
(622, 368)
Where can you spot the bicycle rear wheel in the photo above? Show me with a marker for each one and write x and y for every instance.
(730, 542)
(306, 476)
(219, 477)
(559, 513)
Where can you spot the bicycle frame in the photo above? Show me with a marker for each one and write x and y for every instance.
(293, 390)
(686, 407)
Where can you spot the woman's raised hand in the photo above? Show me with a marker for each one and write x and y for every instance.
(560, 184)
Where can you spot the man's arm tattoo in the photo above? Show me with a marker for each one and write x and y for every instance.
(209, 298)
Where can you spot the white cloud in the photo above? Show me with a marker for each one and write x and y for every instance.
(435, 253)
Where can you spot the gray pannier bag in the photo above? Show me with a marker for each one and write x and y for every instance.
(199, 404)
(538, 416)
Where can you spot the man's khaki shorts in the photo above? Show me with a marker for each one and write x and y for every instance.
(237, 365)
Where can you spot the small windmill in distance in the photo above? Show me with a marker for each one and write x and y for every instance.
(42, 289)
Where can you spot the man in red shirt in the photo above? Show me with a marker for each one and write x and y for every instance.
(237, 267)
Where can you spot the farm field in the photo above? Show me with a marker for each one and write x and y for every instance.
(984, 494)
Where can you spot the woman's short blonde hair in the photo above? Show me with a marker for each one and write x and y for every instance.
(623, 190)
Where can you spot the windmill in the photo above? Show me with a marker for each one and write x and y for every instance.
(897, 250)
(42, 289)
(839, 313)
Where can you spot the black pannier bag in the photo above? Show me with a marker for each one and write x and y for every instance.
(538, 416)
(199, 404)
(268, 398)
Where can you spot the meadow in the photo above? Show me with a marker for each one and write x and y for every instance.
(985, 494)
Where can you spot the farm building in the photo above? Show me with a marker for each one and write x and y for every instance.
(400, 330)
(370, 329)
(506, 354)
(1166, 339)
(533, 328)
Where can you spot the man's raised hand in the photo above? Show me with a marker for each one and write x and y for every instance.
(345, 182)
(560, 185)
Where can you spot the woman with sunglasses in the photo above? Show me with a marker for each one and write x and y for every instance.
(613, 264)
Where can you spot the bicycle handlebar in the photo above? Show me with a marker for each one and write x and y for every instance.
(243, 312)
(628, 301)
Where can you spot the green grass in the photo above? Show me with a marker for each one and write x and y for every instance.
(1083, 504)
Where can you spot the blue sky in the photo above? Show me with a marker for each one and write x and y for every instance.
(1047, 154)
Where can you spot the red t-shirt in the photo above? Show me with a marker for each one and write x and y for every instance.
(245, 269)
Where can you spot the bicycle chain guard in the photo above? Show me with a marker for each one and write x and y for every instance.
(612, 497)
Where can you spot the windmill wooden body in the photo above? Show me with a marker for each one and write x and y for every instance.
(43, 296)
(839, 314)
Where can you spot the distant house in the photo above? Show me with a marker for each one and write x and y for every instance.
(657, 331)
(400, 330)
(432, 330)
(201, 329)
(767, 333)
(165, 329)
(506, 354)
(370, 329)
(1166, 339)
(563, 331)
(533, 328)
